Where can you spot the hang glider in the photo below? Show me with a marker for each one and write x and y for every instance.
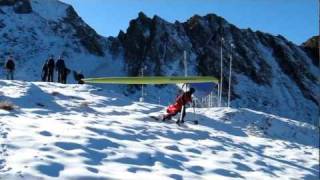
(152, 80)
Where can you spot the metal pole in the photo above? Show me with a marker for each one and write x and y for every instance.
(212, 99)
(221, 72)
(218, 95)
(229, 92)
(142, 86)
(230, 75)
(185, 63)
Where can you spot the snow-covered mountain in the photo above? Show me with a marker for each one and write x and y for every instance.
(84, 132)
(271, 74)
(51, 28)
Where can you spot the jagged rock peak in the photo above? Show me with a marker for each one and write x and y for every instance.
(312, 42)
(88, 36)
(312, 48)
(142, 15)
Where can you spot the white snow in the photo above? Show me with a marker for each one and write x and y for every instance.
(84, 132)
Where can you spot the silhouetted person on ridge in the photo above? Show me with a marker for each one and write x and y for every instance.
(60, 67)
(64, 76)
(10, 67)
(50, 66)
(44, 74)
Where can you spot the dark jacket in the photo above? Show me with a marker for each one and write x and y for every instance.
(51, 64)
(45, 67)
(60, 65)
(10, 65)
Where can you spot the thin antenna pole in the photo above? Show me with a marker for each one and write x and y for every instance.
(230, 75)
(142, 92)
(142, 86)
(221, 73)
(229, 92)
(212, 99)
(185, 63)
(218, 96)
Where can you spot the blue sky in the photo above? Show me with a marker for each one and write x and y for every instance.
(297, 20)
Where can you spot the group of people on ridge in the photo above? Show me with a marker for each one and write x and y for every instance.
(48, 69)
(50, 66)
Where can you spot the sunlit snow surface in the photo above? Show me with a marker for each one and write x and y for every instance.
(83, 132)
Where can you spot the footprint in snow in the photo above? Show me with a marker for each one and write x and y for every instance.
(195, 151)
(45, 133)
(93, 170)
(173, 148)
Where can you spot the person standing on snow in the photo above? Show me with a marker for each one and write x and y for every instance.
(60, 67)
(44, 74)
(10, 67)
(179, 106)
(66, 71)
(50, 67)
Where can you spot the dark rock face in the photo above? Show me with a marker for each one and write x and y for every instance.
(151, 42)
(244, 52)
(22, 7)
(2, 25)
(156, 43)
(296, 70)
(7, 2)
(19, 6)
(312, 47)
(88, 37)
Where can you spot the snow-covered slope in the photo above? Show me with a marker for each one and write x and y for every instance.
(84, 132)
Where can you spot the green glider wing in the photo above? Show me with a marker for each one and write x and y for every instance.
(152, 80)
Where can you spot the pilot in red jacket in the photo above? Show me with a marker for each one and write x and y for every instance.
(179, 106)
